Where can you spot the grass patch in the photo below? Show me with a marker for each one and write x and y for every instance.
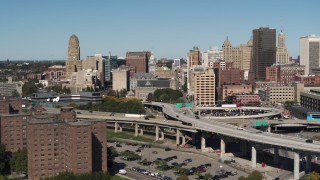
(116, 177)
(124, 135)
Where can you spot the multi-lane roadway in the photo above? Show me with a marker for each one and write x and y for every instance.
(282, 142)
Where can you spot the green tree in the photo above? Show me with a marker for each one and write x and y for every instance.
(19, 161)
(242, 178)
(150, 97)
(313, 176)
(288, 104)
(3, 177)
(207, 176)
(4, 160)
(40, 85)
(255, 175)
(15, 93)
(112, 93)
(183, 177)
(66, 90)
(112, 153)
(28, 88)
(185, 87)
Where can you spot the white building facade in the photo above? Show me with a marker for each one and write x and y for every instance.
(310, 52)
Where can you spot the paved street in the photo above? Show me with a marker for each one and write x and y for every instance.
(161, 153)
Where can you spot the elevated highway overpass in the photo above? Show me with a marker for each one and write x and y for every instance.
(296, 145)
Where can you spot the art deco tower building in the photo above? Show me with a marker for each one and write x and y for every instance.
(73, 63)
(282, 55)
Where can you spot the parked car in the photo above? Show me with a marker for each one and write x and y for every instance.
(118, 145)
(154, 152)
(187, 160)
(122, 171)
(167, 178)
(167, 149)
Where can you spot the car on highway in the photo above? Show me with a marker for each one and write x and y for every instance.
(197, 117)
(167, 149)
(309, 141)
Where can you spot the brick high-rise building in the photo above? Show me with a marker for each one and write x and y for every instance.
(194, 57)
(283, 74)
(264, 53)
(138, 62)
(73, 63)
(55, 142)
(59, 144)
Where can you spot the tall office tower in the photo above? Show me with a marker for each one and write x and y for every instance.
(152, 64)
(73, 63)
(205, 88)
(211, 56)
(177, 62)
(264, 53)
(111, 63)
(282, 55)
(310, 52)
(194, 57)
(121, 79)
(138, 62)
(96, 64)
(240, 56)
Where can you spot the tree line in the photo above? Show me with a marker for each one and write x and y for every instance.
(117, 105)
(13, 162)
(166, 95)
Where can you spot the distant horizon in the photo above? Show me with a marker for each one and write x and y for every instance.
(37, 29)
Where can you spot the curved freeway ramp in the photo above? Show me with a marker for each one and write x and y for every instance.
(283, 142)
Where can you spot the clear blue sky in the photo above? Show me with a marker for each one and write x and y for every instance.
(40, 29)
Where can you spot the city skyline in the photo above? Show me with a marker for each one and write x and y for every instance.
(40, 30)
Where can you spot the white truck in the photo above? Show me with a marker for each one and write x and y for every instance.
(229, 105)
(134, 115)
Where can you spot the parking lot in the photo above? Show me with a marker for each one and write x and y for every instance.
(196, 162)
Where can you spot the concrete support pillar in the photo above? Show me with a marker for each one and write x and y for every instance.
(253, 156)
(177, 136)
(136, 129)
(115, 127)
(269, 129)
(296, 166)
(141, 131)
(183, 138)
(308, 165)
(157, 133)
(276, 156)
(222, 148)
(161, 137)
(203, 142)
